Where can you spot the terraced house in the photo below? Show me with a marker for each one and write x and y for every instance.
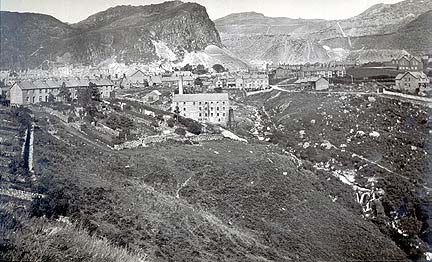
(33, 92)
(408, 63)
(253, 81)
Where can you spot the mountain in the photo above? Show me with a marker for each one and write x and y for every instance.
(393, 28)
(127, 33)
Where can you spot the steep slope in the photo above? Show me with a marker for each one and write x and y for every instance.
(28, 37)
(127, 33)
(415, 38)
(380, 27)
(219, 201)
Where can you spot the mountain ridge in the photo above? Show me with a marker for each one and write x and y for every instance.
(289, 40)
(126, 33)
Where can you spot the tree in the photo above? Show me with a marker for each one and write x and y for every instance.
(200, 70)
(64, 93)
(187, 67)
(88, 98)
(218, 89)
(198, 82)
(51, 98)
(219, 68)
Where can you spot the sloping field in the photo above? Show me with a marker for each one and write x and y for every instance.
(368, 142)
(213, 201)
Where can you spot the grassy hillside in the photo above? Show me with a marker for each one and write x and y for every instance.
(212, 201)
(366, 141)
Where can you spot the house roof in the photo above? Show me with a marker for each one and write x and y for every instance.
(156, 92)
(50, 84)
(200, 97)
(416, 75)
(309, 80)
(137, 73)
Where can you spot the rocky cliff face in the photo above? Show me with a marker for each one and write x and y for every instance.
(392, 28)
(126, 33)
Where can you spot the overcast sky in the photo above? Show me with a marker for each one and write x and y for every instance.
(76, 10)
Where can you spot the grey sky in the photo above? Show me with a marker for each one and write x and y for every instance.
(76, 10)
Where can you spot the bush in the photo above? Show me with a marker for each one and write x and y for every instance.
(171, 122)
(180, 131)
(59, 200)
(115, 122)
(191, 125)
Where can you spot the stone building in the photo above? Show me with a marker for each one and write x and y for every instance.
(207, 108)
(33, 92)
(412, 82)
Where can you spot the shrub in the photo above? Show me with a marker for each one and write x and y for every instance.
(180, 131)
(115, 122)
(191, 125)
(59, 200)
(171, 122)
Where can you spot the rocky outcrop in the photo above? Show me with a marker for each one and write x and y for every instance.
(126, 33)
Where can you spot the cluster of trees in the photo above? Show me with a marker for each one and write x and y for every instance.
(87, 98)
(201, 69)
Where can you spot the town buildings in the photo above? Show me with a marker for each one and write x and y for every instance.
(327, 70)
(33, 92)
(408, 63)
(412, 82)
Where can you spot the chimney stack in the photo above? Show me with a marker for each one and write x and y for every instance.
(180, 85)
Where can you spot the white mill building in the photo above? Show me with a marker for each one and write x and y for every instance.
(207, 107)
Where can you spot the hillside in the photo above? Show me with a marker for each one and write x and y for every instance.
(368, 141)
(217, 200)
(127, 33)
(288, 40)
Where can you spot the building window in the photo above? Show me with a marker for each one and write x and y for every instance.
(205, 114)
(199, 103)
(199, 108)
(211, 114)
(217, 114)
(184, 109)
(193, 103)
(184, 114)
(223, 108)
(184, 103)
(223, 102)
(219, 119)
(200, 114)
(217, 108)
(223, 114)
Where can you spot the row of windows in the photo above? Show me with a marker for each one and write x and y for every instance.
(40, 91)
(199, 103)
(211, 114)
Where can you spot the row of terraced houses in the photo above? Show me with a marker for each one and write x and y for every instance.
(33, 92)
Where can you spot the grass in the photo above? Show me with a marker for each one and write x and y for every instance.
(43, 240)
(213, 201)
